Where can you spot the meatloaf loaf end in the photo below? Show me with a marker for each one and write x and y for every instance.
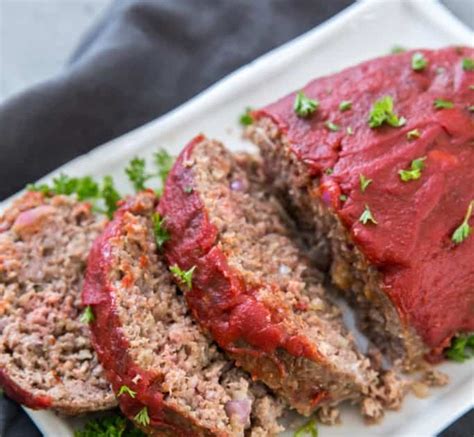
(46, 358)
(251, 287)
(386, 187)
(170, 378)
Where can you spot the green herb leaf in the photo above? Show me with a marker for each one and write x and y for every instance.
(110, 195)
(304, 106)
(350, 131)
(142, 417)
(468, 64)
(462, 348)
(367, 216)
(345, 105)
(309, 429)
(41, 188)
(126, 390)
(184, 276)
(418, 61)
(333, 127)
(87, 316)
(137, 174)
(463, 231)
(364, 182)
(161, 234)
(109, 426)
(414, 172)
(443, 104)
(413, 134)
(397, 49)
(246, 118)
(382, 112)
(163, 161)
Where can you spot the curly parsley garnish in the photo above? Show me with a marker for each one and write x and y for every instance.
(443, 104)
(163, 162)
(304, 106)
(161, 234)
(309, 429)
(110, 195)
(414, 172)
(246, 118)
(142, 417)
(413, 134)
(463, 231)
(184, 276)
(345, 105)
(137, 174)
(397, 49)
(468, 64)
(461, 349)
(418, 61)
(382, 112)
(333, 127)
(126, 390)
(367, 216)
(364, 182)
(109, 426)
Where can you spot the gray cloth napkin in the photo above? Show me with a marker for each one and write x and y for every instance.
(141, 60)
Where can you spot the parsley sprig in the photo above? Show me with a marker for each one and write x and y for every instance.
(309, 429)
(462, 348)
(161, 234)
(304, 106)
(414, 172)
(183, 276)
(382, 112)
(109, 426)
(463, 231)
(246, 118)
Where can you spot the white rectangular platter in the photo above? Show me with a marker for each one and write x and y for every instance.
(367, 29)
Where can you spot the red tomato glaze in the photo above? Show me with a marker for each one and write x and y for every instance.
(429, 279)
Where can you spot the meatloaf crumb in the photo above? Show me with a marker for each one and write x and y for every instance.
(253, 289)
(148, 342)
(46, 357)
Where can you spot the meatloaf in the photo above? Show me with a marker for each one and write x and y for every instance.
(377, 160)
(169, 377)
(249, 285)
(46, 357)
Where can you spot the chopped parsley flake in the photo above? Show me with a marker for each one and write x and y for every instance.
(345, 105)
(367, 216)
(364, 182)
(443, 104)
(161, 234)
(413, 134)
(468, 64)
(414, 172)
(333, 127)
(304, 106)
(142, 417)
(109, 426)
(87, 316)
(309, 429)
(418, 61)
(246, 118)
(342, 197)
(463, 231)
(382, 112)
(462, 348)
(184, 276)
(126, 390)
(188, 190)
(350, 131)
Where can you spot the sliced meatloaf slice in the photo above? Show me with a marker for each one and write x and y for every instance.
(46, 357)
(171, 379)
(382, 171)
(251, 286)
